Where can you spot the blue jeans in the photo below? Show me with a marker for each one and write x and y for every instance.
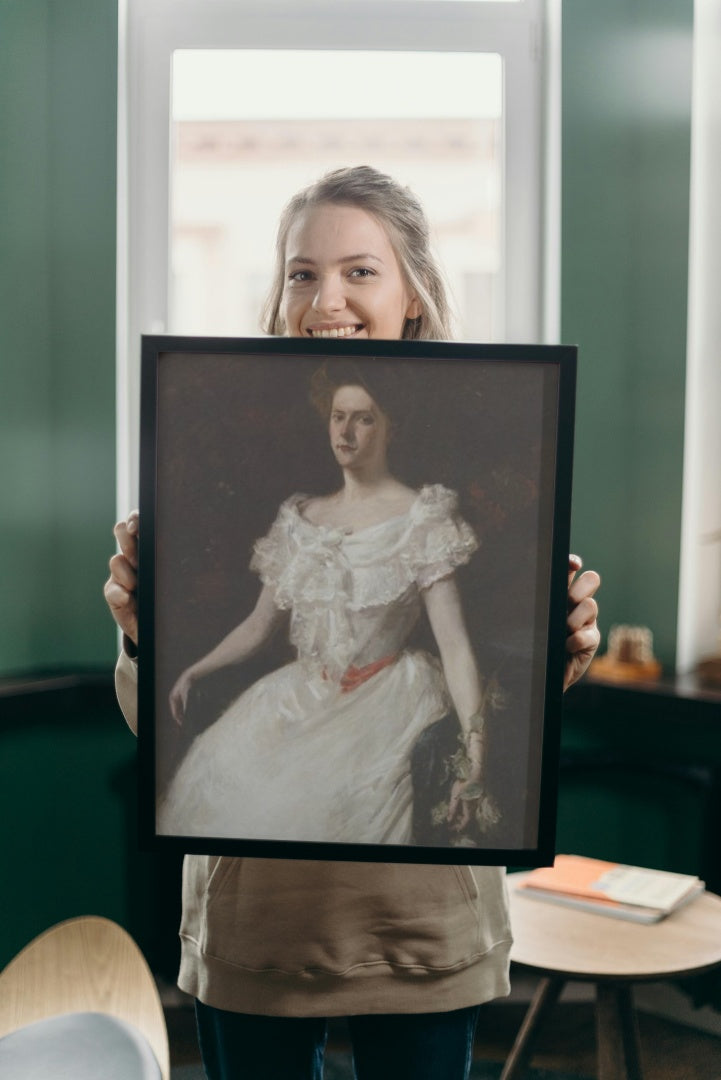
(414, 1046)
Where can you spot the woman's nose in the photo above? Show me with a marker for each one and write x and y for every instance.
(329, 295)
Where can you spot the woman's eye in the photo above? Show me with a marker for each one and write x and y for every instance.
(300, 276)
(362, 272)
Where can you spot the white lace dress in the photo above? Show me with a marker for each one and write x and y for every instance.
(320, 749)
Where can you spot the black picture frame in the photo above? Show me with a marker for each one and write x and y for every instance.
(228, 434)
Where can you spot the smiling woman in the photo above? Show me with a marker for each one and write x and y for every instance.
(297, 941)
(353, 259)
(332, 288)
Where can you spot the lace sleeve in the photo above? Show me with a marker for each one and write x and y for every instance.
(442, 540)
(272, 552)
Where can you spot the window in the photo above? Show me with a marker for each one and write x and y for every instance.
(235, 161)
(227, 107)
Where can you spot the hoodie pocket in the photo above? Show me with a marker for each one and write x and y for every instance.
(296, 916)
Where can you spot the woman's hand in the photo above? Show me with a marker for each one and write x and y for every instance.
(179, 696)
(583, 635)
(462, 804)
(121, 587)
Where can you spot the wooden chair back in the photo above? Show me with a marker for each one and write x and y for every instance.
(87, 964)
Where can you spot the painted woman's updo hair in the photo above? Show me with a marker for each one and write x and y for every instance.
(402, 216)
(384, 383)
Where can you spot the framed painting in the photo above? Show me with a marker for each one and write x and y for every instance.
(352, 597)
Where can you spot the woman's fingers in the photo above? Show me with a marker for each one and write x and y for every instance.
(584, 642)
(452, 807)
(582, 633)
(121, 587)
(575, 562)
(459, 810)
(582, 607)
(583, 613)
(123, 572)
(178, 700)
(123, 607)
(587, 584)
(126, 534)
(176, 709)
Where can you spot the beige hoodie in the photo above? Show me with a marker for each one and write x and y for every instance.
(287, 937)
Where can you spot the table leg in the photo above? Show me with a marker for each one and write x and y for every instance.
(545, 997)
(617, 1033)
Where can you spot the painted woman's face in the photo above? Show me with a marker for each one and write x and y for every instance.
(342, 277)
(358, 429)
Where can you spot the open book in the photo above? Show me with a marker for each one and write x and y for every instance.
(608, 888)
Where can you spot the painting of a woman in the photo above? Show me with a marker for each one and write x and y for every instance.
(320, 749)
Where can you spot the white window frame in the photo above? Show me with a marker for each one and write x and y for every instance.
(526, 34)
(699, 597)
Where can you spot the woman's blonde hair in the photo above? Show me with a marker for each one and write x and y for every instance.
(402, 216)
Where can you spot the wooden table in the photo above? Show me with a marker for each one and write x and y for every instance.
(563, 944)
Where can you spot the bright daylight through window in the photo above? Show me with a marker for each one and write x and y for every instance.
(238, 156)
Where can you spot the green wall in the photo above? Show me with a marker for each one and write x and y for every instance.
(626, 146)
(67, 773)
(58, 73)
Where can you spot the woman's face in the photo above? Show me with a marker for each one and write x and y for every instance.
(358, 429)
(342, 277)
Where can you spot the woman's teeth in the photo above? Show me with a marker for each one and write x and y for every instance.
(336, 332)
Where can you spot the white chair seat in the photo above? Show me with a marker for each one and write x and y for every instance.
(78, 1046)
